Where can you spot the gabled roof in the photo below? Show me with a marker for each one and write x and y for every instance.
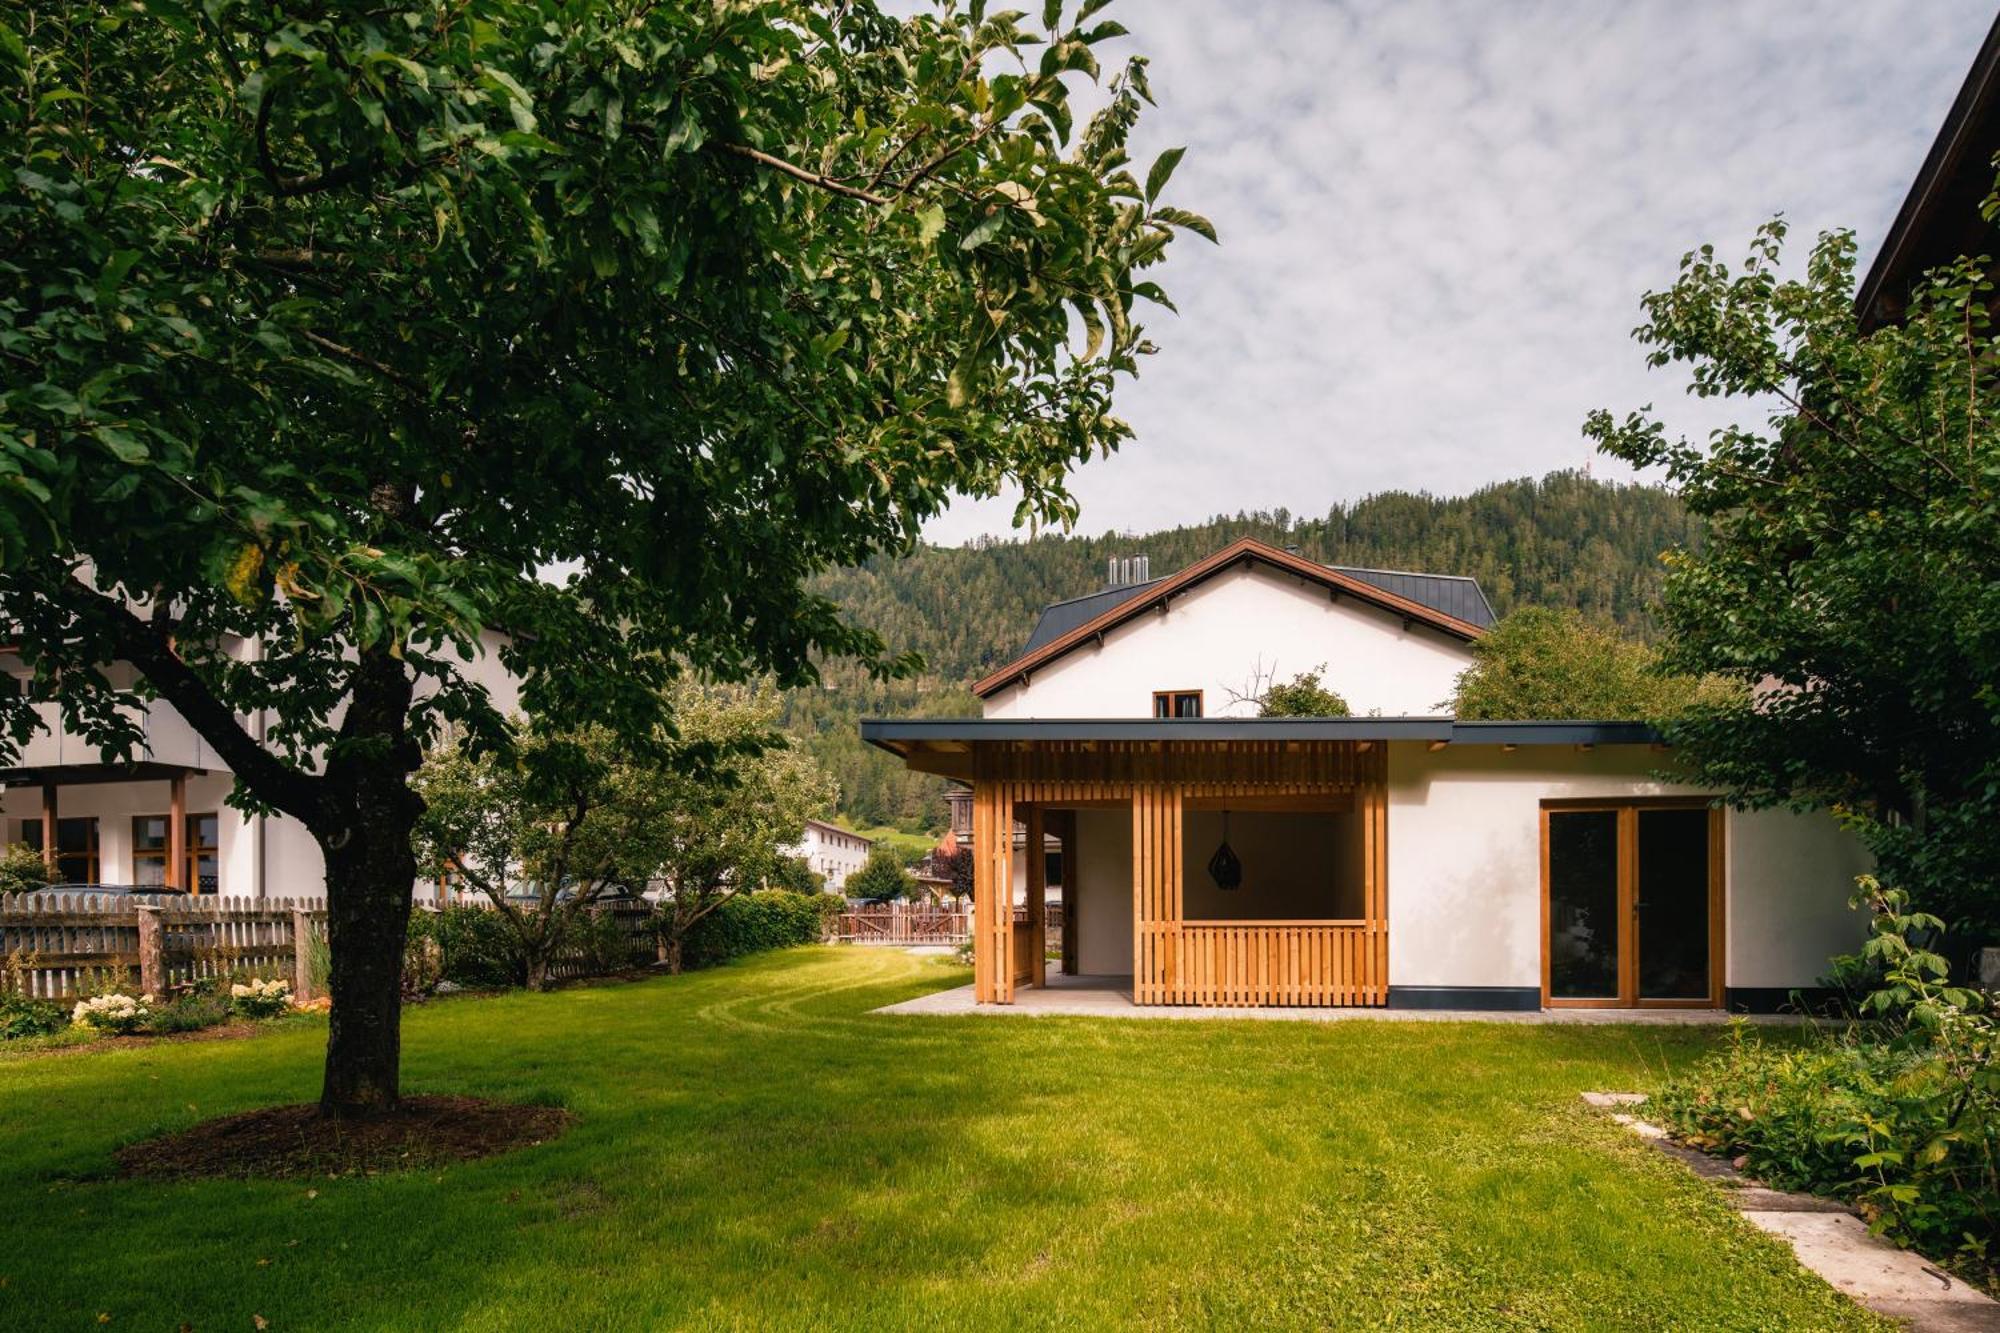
(1457, 595)
(1082, 619)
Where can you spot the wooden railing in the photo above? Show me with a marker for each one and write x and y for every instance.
(54, 945)
(917, 923)
(1265, 963)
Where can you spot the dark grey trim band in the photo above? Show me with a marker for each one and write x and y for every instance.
(881, 730)
(1816, 1000)
(1488, 999)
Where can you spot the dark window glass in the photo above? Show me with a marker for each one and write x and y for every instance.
(1583, 904)
(1673, 904)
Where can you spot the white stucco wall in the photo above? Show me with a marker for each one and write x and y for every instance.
(1218, 636)
(287, 864)
(1789, 879)
(1465, 867)
(1101, 895)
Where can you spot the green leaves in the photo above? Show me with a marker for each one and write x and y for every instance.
(1162, 170)
(1852, 550)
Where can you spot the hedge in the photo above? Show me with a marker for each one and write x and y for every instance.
(754, 922)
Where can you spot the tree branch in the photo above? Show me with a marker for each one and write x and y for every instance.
(144, 645)
(826, 183)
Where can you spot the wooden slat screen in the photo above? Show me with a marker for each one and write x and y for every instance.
(1175, 962)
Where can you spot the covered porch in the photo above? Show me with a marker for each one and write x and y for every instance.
(1227, 872)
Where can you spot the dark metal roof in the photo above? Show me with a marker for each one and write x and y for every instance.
(1455, 595)
(888, 733)
(1059, 618)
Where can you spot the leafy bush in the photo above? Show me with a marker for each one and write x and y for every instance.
(22, 869)
(478, 948)
(201, 1007)
(882, 878)
(423, 965)
(116, 1013)
(1901, 1116)
(753, 922)
(24, 1016)
(261, 999)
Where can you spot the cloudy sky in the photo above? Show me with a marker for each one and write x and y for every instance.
(1437, 218)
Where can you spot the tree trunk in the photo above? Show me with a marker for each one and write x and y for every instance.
(538, 971)
(670, 951)
(368, 883)
(370, 872)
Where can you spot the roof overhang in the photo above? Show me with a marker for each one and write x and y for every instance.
(943, 744)
(1246, 551)
(86, 775)
(1940, 219)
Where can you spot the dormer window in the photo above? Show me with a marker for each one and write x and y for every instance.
(1176, 703)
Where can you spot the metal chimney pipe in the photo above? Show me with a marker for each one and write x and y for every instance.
(1111, 572)
(1145, 569)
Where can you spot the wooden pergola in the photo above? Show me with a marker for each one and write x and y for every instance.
(1177, 960)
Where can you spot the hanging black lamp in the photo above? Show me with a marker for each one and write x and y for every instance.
(1223, 867)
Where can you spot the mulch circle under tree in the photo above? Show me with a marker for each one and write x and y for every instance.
(280, 1141)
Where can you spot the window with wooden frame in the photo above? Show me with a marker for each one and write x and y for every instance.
(1632, 901)
(149, 852)
(1176, 703)
(76, 847)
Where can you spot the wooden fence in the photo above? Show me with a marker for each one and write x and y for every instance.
(919, 923)
(58, 945)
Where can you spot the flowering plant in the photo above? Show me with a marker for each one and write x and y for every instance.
(114, 1013)
(261, 999)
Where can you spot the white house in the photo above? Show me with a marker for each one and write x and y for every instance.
(1396, 857)
(832, 851)
(120, 823)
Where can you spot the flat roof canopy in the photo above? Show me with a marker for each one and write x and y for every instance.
(906, 736)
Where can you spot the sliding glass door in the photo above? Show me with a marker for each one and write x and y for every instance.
(1632, 903)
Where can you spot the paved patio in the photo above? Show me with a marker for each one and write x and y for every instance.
(1111, 997)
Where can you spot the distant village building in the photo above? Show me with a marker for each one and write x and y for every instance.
(832, 852)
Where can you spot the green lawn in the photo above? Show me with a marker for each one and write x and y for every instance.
(756, 1151)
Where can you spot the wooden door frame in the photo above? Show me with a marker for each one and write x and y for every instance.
(1627, 809)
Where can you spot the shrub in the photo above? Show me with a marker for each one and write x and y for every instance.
(115, 1013)
(24, 1016)
(477, 946)
(22, 869)
(201, 1007)
(882, 878)
(261, 999)
(423, 965)
(753, 922)
(1902, 1116)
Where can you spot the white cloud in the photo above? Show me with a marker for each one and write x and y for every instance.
(1438, 217)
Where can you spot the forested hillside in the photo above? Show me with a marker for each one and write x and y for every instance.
(1565, 540)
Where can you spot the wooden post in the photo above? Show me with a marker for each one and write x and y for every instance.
(49, 826)
(301, 965)
(1038, 900)
(177, 834)
(152, 963)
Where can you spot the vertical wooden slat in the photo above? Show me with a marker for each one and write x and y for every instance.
(1038, 912)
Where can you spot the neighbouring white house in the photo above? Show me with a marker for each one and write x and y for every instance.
(1395, 857)
(162, 820)
(832, 852)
